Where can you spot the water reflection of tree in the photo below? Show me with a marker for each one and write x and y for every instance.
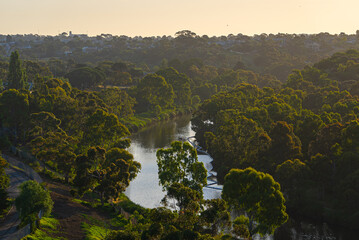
(161, 134)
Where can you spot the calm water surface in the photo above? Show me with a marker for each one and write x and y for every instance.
(146, 191)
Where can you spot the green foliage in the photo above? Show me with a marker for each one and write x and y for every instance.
(51, 144)
(153, 90)
(303, 131)
(85, 77)
(4, 183)
(108, 174)
(179, 164)
(48, 228)
(16, 78)
(118, 101)
(186, 198)
(94, 232)
(259, 196)
(103, 129)
(126, 204)
(122, 235)
(33, 198)
(14, 110)
(216, 215)
(238, 142)
(241, 227)
(180, 84)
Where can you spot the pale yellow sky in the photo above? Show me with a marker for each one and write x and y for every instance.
(165, 17)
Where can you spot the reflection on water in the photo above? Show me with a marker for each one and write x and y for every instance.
(145, 190)
(162, 134)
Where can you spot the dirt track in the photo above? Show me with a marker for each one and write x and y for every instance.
(11, 221)
(71, 214)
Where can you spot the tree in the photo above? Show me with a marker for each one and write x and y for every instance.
(103, 129)
(239, 142)
(284, 145)
(154, 90)
(14, 109)
(186, 33)
(118, 101)
(180, 84)
(325, 139)
(292, 175)
(50, 144)
(4, 183)
(240, 227)
(205, 91)
(179, 164)
(186, 197)
(16, 77)
(57, 150)
(85, 77)
(33, 198)
(259, 196)
(107, 174)
(215, 215)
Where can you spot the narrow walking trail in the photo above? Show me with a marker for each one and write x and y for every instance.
(9, 224)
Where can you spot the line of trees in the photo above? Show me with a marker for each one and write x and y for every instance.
(305, 134)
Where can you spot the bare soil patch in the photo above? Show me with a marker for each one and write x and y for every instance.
(71, 214)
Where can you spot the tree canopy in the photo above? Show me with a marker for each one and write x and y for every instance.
(179, 164)
(33, 198)
(16, 78)
(259, 196)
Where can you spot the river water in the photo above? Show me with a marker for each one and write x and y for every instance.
(146, 191)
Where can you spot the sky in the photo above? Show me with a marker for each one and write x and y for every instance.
(166, 17)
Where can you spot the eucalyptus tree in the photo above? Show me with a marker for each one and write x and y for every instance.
(16, 76)
(259, 196)
(179, 164)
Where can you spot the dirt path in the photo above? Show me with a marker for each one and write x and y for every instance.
(12, 220)
(71, 214)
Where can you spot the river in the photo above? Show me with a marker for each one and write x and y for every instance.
(146, 191)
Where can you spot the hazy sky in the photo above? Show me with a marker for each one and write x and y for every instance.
(165, 17)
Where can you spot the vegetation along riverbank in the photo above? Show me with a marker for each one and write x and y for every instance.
(281, 143)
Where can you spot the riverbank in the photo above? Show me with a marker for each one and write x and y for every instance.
(145, 191)
(147, 119)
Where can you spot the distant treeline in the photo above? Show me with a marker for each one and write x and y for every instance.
(275, 54)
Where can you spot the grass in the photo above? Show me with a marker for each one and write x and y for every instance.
(94, 232)
(126, 204)
(141, 120)
(96, 204)
(50, 223)
(5, 211)
(83, 202)
(135, 123)
(47, 230)
(17, 168)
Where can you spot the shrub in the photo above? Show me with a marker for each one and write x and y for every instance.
(33, 198)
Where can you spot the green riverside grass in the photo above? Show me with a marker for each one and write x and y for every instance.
(48, 227)
(94, 232)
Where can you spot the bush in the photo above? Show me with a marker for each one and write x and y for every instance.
(130, 207)
(33, 198)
